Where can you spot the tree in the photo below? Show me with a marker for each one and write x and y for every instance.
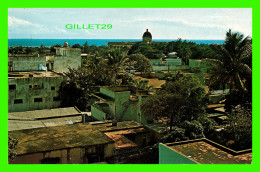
(229, 67)
(142, 64)
(86, 48)
(179, 100)
(76, 46)
(239, 130)
(140, 84)
(12, 143)
(185, 53)
(81, 83)
(117, 63)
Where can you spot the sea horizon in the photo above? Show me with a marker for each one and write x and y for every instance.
(98, 42)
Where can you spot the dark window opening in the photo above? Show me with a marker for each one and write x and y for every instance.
(56, 98)
(12, 87)
(52, 88)
(37, 99)
(17, 101)
(55, 160)
(35, 86)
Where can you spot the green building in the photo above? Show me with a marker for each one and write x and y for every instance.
(201, 151)
(119, 102)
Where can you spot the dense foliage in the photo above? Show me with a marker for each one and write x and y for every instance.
(12, 143)
(182, 101)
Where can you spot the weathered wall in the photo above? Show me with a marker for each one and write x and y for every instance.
(169, 67)
(67, 156)
(97, 113)
(122, 108)
(27, 94)
(25, 63)
(67, 58)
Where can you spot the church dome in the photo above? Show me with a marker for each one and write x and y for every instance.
(147, 36)
(66, 44)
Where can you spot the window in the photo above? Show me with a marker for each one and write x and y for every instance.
(52, 160)
(12, 87)
(35, 86)
(56, 98)
(52, 88)
(18, 101)
(37, 99)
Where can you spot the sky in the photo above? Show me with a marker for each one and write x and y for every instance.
(128, 23)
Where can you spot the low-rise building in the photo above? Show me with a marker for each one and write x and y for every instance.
(67, 144)
(121, 103)
(79, 143)
(33, 90)
(65, 58)
(201, 151)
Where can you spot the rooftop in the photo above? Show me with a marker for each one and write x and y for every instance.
(105, 127)
(55, 138)
(44, 114)
(33, 74)
(24, 124)
(204, 151)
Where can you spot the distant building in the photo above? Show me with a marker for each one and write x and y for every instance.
(33, 90)
(120, 103)
(201, 151)
(147, 37)
(65, 58)
(34, 80)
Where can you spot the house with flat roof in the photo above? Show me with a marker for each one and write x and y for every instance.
(121, 103)
(33, 90)
(66, 144)
(201, 151)
(78, 143)
(61, 61)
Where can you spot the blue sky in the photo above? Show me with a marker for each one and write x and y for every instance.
(129, 23)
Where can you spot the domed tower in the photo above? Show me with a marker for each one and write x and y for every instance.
(147, 37)
(66, 44)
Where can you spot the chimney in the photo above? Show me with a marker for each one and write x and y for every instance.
(114, 122)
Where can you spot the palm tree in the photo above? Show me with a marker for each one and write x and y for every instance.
(117, 62)
(229, 67)
(141, 84)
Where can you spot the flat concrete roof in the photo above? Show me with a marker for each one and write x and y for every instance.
(33, 74)
(14, 125)
(124, 125)
(59, 137)
(44, 114)
(204, 151)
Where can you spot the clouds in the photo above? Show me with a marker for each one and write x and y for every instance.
(129, 23)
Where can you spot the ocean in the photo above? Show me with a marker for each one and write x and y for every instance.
(97, 42)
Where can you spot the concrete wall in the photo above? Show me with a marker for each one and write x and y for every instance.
(25, 63)
(97, 113)
(169, 156)
(67, 156)
(27, 94)
(167, 67)
(122, 108)
(67, 58)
